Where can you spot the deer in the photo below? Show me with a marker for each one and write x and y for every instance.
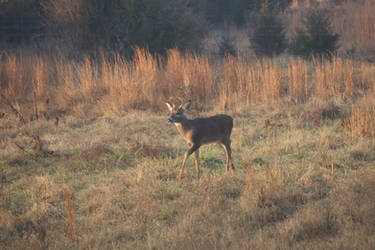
(200, 131)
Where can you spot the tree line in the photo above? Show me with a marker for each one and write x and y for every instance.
(119, 25)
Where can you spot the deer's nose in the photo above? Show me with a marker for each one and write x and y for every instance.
(170, 119)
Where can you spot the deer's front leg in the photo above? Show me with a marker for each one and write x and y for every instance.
(196, 153)
(187, 154)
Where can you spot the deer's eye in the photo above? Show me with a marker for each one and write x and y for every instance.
(179, 112)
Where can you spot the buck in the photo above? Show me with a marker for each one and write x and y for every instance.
(200, 131)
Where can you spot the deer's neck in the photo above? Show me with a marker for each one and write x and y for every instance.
(183, 127)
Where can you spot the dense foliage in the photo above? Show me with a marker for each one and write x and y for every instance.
(20, 21)
(236, 11)
(123, 24)
(120, 25)
(268, 38)
(316, 38)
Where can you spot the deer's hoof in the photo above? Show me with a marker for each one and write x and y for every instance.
(181, 176)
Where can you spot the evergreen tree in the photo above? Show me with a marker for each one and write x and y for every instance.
(20, 21)
(268, 38)
(316, 38)
(120, 25)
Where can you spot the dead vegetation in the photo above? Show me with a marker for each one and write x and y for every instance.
(89, 160)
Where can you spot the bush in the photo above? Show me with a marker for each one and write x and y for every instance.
(222, 11)
(20, 21)
(268, 38)
(316, 38)
(158, 25)
(121, 25)
(219, 12)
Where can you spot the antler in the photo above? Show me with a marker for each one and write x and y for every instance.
(187, 105)
(170, 106)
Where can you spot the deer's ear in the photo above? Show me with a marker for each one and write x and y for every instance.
(187, 105)
(170, 106)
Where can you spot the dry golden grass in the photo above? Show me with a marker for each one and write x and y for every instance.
(244, 84)
(361, 121)
(111, 184)
(116, 84)
(97, 167)
(334, 78)
(298, 80)
(54, 86)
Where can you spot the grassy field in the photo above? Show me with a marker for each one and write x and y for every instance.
(94, 165)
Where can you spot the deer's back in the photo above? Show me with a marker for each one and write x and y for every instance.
(212, 129)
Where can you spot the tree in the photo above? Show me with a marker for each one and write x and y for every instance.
(120, 25)
(226, 47)
(20, 21)
(219, 12)
(222, 11)
(268, 38)
(316, 38)
(158, 25)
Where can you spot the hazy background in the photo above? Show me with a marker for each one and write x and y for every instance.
(249, 27)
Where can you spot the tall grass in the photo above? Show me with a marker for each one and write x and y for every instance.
(188, 77)
(298, 80)
(243, 83)
(334, 78)
(306, 185)
(361, 121)
(115, 84)
(130, 84)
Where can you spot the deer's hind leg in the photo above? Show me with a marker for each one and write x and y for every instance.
(226, 144)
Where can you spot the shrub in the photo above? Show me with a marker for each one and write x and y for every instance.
(20, 21)
(226, 47)
(268, 38)
(316, 38)
(158, 25)
(121, 25)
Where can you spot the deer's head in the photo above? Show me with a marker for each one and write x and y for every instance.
(177, 114)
